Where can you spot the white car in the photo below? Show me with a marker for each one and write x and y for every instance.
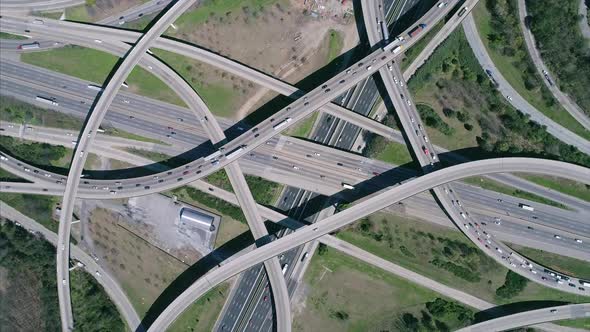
(509, 98)
(408, 102)
(557, 236)
(63, 281)
(578, 240)
(3, 158)
(425, 138)
(412, 119)
(295, 167)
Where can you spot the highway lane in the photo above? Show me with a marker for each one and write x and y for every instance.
(103, 277)
(515, 99)
(565, 101)
(556, 221)
(425, 155)
(19, 6)
(86, 137)
(373, 204)
(130, 113)
(522, 319)
(276, 85)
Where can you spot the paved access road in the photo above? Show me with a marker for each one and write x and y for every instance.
(531, 317)
(568, 104)
(371, 205)
(515, 99)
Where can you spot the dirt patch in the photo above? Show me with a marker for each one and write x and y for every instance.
(143, 270)
(282, 39)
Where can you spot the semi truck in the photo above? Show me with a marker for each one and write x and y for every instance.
(235, 152)
(462, 11)
(414, 32)
(281, 124)
(46, 100)
(30, 46)
(526, 207)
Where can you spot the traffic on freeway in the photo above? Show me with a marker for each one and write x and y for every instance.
(263, 144)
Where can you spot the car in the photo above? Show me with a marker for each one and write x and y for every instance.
(409, 102)
(295, 167)
(425, 150)
(498, 250)
(553, 311)
(97, 273)
(425, 138)
(146, 187)
(3, 158)
(442, 4)
(557, 236)
(433, 156)
(265, 298)
(463, 215)
(63, 281)
(509, 98)
(317, 154)
(578, 240)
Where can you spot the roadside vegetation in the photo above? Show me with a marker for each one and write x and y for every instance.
(14, 110)
(412, 53)
(498, 25)
(573, 188)
(41, 154)
(29, 296)
(442, 254)
(563, 48)
(95, 66)
(6, 35)
(378, 147)
(37, 207)
(340, 289)
(568, 265)
(221, 91)
(489, 184)
(454, 86)
(202, 314)
(335, 43)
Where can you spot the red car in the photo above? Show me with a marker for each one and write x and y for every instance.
(425, 150)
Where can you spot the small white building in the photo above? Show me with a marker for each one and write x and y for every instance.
(194, 218)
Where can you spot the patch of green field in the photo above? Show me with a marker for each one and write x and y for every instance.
(576, 189)
(335, 43)
(14, 110)
(489, 184)
(442, 254)
(202, 314)
(219, 96)
(511, 68)
(395, 153)
(92, 65)
(78, 14)
(346, 294)
(304, 127)
(52, 15)
(6, 35)
(570, 266)
(582, 323)
(417, 48)
(199, 15)
(7, 176)
(124, 134)
(37, 207)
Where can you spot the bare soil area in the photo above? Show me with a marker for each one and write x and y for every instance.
(282, 39)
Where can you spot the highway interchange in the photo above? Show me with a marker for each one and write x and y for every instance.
(310, 102)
